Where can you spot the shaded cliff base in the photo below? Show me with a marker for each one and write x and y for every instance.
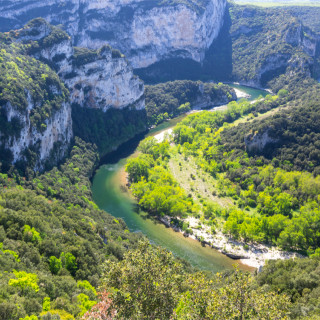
(109, 129)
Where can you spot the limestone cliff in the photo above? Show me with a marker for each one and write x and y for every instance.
(256, 142)
(270, 42)
(35, 112)
(107, 81)
(36, 118)
(145, 31)
(100, 79)
(49, 144)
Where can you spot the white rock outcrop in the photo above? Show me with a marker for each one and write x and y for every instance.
(256, 142)
(100, 79)
(107, 82)
(57, 131)
(145, 31)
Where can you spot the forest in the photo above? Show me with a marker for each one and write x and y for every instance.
(275, 189)
(170, 99)
(54, 240)
(20, 72)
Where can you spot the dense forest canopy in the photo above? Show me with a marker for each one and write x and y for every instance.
(170, 99)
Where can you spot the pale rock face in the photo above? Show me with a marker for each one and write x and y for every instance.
(302, 37)
(296, 36)
(147, 35)
(145, 31)
(257, 141)
(16, 13)
(63, 49)
(58, 130)
(106, 82)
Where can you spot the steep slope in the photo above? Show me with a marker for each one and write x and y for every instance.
(269, 42)
(55, 238)
(145, 31)
(169, 99)
(100, 79)
(35, 110)
(107, 99)
(254, 46)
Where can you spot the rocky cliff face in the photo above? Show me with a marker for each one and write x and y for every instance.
(145, 31)
(105, 82)
(270, 42)
(100, 79)
(256, 142)
(35, 112)
(50, 143)
(37, 118)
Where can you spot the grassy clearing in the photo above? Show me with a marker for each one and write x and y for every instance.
(199, 184)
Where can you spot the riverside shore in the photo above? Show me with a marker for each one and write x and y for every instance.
(251, 254)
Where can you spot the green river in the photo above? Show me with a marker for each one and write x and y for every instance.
(108, 193)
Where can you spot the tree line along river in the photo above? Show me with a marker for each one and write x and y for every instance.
(110, 195)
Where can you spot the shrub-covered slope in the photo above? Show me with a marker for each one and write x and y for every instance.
(33, 103)
(168, 100)
(54, 238)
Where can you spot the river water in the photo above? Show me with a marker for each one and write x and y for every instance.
(110, 195)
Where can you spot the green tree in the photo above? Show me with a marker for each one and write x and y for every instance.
(138, 167)
(145, 284)
(24, 281)
(46, 305)
(84, 303)
(31, 234)
(69, 262)
(55, 264)
(235, 298)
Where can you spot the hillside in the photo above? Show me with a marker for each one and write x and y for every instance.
(33, 102)
(54, 239)
(168, 100)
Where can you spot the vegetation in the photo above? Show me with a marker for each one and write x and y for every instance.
(272, 192)
(54, 240)
(24, 80)
(33, 28)
(298, 279)
(29, 90)
(252, 55)
(63, 258)
(83, 56)
(161, 290)
(273, 182)
(153, 186)
(255, 45)
(107, 129)
(168, 100)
